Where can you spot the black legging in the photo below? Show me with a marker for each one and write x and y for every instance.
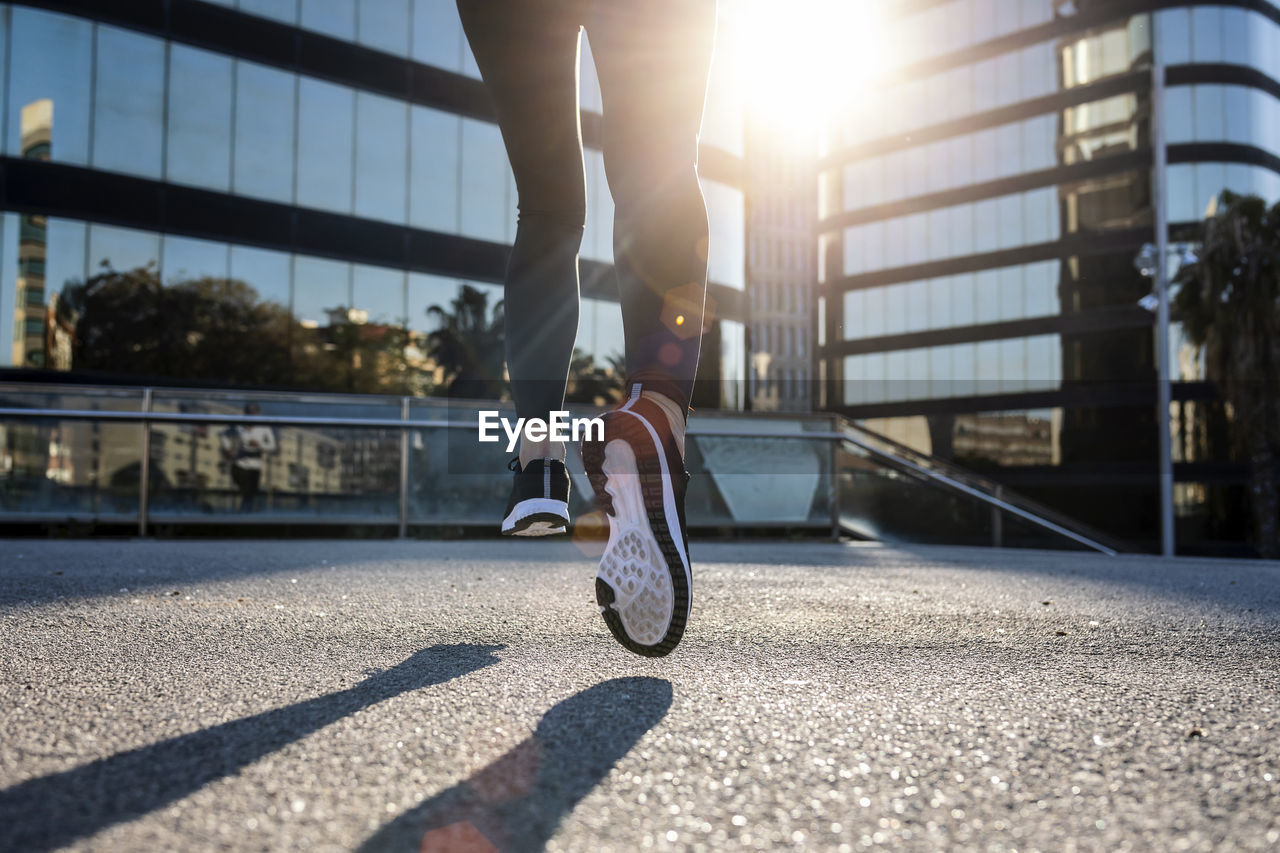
(653, 58)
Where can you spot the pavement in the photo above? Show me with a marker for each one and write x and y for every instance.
(236, 695)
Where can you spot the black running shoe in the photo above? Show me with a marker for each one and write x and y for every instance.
(644, 584)
(539, 504)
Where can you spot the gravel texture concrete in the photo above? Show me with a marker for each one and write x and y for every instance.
(466, 695)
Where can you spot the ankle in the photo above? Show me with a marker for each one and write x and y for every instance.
(675, 415)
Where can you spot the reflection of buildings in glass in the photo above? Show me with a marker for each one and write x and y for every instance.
(978, 223)
(389, 191)
(29, 304)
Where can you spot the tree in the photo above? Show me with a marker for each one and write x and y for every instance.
(1228, 302)
(469, 344)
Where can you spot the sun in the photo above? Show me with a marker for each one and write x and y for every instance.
(802, 63)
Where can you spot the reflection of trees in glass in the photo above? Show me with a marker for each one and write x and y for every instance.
(216, 328)
(1229, 305)
(468, 345)
(592, 383)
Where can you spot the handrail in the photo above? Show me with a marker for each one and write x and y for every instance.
(404, 424)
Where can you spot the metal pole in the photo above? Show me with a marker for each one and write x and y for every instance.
(1164, 395)
(404, 468)
(144, 491)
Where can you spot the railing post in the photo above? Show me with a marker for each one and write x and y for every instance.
(404, 468)
(997, 521)
(144, 485)
(833, 485)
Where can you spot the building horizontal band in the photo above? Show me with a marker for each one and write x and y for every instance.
(1107, 87)
(1223, 152)
(1131, 82)
(1072, 395)
(1116, 318)
(56, 189)
(1096, 15)
(312, 54)
(1073, 245)
(1056, 176)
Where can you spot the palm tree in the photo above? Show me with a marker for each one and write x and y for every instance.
(468, 345)
(591, 383)
(1229, 304)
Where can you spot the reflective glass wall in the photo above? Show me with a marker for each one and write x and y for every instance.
(979, 220)
(87, 93)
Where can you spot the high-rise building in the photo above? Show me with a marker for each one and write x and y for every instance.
(781, 217)
(980, 213)
(292, 161)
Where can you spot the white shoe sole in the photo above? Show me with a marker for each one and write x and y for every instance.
(537, 517)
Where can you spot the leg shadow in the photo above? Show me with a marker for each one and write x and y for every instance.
(53, 811)
(516, 803)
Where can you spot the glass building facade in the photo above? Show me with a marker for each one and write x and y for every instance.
(979, 216)
(320, 171)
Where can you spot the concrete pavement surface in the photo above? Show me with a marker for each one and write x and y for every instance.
(173, 695)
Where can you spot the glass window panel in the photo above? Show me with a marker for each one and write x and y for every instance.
(384, 26)
(1175, 36)
(1008, 83)
(960, 155)
(1012, 295)
(382, 134)
(336, 18)
(49, 61)
(987, 297)
(1042, 289)
(875, 312)
(1206, 34)
(1009, 150)
(985, 85)
(963, 299)
(854, 177)
(895, 374)
(199, 121)
(320, 287)
(959, 87)
(873, 246)
(917, 307)
(917, 166)
(64, 261)
(986, 225)
(986, 155)
(264, 132)
(1013, 365)
(855, 317)
(939, 234)
(1181, 186)
(1011, 222)
(895, 176)
(917, 238)
(961, 226)
(1040, 212)
(941, 371)
(1039, 137)
(1179, 115)
(121, 249)
(895, 309)
(434, 169)
(987, 366)
(268, 273)
(379, 293)
(938, 303)
(854, 254)
(187, 259)
(1235, 105)
(895, 242)
(280, 10)
(1210, 122)
(938, 166)
(983, 20)
(937, 99)
(326, 144)
(873, 187)
(484, 181)
(128, 103)
(437, 33)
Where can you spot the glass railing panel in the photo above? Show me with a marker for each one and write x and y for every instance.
(260, 471)
(746, 481)
(883, 503)
(84, 470)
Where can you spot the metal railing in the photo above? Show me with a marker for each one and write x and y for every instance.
(837, 433)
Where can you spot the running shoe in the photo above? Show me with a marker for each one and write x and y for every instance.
(644, 584)
(539, 503)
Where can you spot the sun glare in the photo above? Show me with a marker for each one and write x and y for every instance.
(802, 63)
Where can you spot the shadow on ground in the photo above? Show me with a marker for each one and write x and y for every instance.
(518, 801)
(56, 810)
